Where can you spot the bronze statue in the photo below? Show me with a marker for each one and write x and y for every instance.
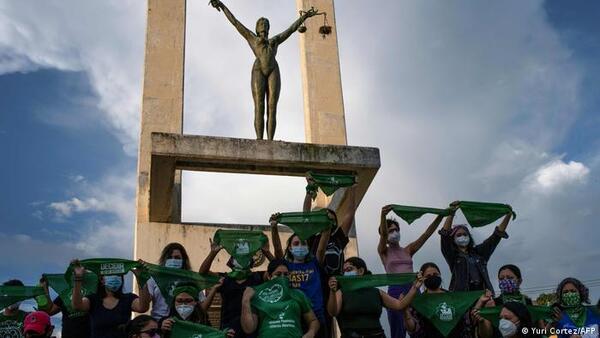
(266, 82)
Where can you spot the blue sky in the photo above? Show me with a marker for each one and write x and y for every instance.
(496, 102)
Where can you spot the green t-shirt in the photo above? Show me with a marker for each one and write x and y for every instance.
(12, 326)
(279, 310)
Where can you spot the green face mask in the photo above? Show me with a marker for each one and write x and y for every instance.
(570, 299)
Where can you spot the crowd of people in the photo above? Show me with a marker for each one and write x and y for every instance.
(301, 293)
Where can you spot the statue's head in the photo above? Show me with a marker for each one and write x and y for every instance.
(262, 27)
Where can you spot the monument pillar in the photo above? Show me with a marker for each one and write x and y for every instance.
(162, 110)
(324, 120)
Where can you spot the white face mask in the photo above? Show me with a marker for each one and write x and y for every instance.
(174, 263)
(184, 310)
(394, 237)
(462, 240)
(507, 328)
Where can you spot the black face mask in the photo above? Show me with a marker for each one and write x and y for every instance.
(433, 282)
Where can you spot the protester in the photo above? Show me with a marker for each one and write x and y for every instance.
(358, 311)
(173, 255)
(232, 288)
(514, 318)
(570, 312)
(334, 252)
(398, 259)
(109, 307)
(37, 324)
(467, 261)
(305, 269)
(276, 309)
(509, 283)
(142, 326)
(186, 307)
(420, 327)
(73, 324)
(11, 318)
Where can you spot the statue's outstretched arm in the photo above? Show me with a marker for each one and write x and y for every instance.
(281, 37)
(244, 31)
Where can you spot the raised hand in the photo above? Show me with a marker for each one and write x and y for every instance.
(214, 247)
(386, 210)
(333, 284)
(273, 219)
(216, 4)
(419, 281)
(167, 324)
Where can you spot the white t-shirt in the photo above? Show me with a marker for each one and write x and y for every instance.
(160, 308)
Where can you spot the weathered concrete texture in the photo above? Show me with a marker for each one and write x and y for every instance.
(195, 238)
(221, 154)
(162, 102)
(324, 119)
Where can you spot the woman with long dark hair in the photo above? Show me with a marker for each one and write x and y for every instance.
(358, 311)
(109, 307)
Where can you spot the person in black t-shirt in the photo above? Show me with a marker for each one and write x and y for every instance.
(74, 324)
(334, 253)
(232, 289)
(109, 308)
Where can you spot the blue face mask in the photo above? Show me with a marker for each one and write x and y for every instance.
(174, 263)
(113, 283)
(299, 252)
(350, 273)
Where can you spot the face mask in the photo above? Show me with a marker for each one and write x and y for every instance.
(507, 328)
(433, 282)
(184, 310)
(462, 240)
(14, 306)
(508, 286)
(350, 273)
(571, 299)
(394, 237)
(113, 283)
(299, 252)
(174, 263)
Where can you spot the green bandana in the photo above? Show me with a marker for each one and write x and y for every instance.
(410, 214)
(13, 294)
(65, 291)
(513, 297)
(189, 289)
(445, 310)
(306, 224)
(571, 301)
(168, 279)
(241, 244)
(537, 313)
(479, 214)
(329, 183)
(351, 283)
(186, 329)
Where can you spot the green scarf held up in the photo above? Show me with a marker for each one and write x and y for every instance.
(492, 314)
(65, 291)
(106, 266)
(242, 245)
(306, 224)
(329, 183)
(13, 294)
(479, 214)
(168, 279)
(445, 310)
(186, 329)
(351, 283)
(410, 214)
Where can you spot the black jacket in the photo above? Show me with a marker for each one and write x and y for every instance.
(457, 260)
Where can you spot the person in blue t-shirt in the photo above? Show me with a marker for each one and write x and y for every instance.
(570, 312)
(305, 269)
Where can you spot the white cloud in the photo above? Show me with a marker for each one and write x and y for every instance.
(557, 174)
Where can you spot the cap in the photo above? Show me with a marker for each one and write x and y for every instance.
(36, 322)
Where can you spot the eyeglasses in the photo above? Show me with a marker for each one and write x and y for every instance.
(151, 332)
